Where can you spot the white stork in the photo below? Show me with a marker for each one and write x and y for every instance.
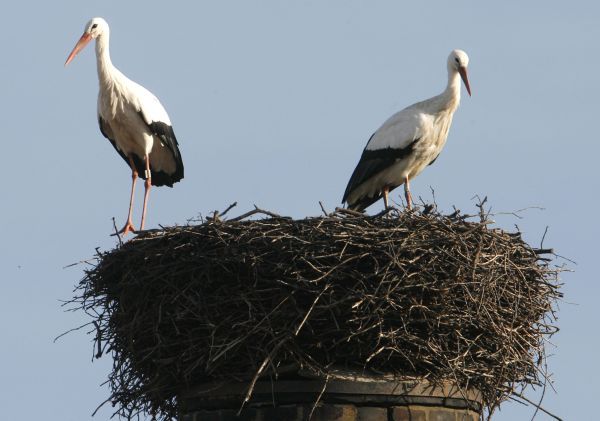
(407, 142)
(134, 121)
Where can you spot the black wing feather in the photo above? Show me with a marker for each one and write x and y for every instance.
(167, 136)
(371, 163)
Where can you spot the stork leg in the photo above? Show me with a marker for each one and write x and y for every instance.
(129, 224)
(386, 191)
(147, 186)
(407, 193)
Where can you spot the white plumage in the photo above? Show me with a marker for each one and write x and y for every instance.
(134, 120)
(407, 142)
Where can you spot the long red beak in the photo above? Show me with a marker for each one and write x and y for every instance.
(465, 79)
(83, 41)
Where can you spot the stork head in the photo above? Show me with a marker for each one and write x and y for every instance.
(458, 61)
(93, 29)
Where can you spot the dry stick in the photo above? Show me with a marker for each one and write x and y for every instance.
(543, 391)
(244, 216)
(323, 209)
(384, 212)
(483, 216)
(87, 262)
(254, 328)
(99, 339)
(520, 395)
(319, 397)
(271, 214)
(116, 231)
(258, 373)
(543, 251)
(349, 212)
(73, 330)
(255, 211)
(543, 238)
(310, 310)
(100, 406)
(274, 351)
(228, 209)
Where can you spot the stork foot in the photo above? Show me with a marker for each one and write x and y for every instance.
(128, 228)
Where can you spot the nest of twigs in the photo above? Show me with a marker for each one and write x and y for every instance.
(406, 293)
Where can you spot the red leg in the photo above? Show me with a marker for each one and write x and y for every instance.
(407, 193)
(386, 191)
(129, 224)
(147, 186)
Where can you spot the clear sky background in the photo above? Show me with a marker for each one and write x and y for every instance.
(272, 103)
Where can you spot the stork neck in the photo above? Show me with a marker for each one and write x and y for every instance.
(105, 66)
(450, 98)
(453, 88)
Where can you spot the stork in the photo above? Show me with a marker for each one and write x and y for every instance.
(407, 142)
(134, 121)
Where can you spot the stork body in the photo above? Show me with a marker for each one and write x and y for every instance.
(407, 142)
(134, 121)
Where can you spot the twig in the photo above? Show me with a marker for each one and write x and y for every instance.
(87, 262)
(384, 212)
(529, 401)
(116, 233)
(98, 339)
(323, 209)
(543, 238)
(253, 383)
(222, 214)
(72, 330)
(311, 309)
(350, 212)
(543, 357)
(101, 405)
(260, 370)
(480, 205)
(319, 397)
(255, 211)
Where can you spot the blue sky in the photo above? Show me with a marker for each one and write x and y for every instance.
(272, 103)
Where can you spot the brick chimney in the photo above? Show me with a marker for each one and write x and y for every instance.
(344, 398)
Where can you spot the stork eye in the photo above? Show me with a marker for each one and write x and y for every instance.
(94, 26)
(456, 60)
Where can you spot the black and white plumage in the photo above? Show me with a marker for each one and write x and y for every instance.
(134, 121)
(407, 142)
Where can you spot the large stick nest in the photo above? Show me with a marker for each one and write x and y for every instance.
(406, 293)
